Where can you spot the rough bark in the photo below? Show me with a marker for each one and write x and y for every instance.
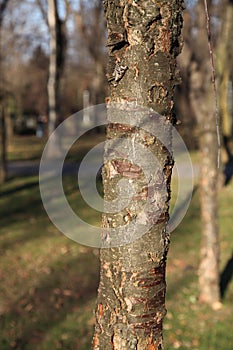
(143, 41)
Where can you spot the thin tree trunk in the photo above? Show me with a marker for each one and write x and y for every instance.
(224, 62)
(3, 168)
(3, 165)
(56, 65)
(3, 6)
(53, 69)
(209, 291)
(143, 41)
(202, 99)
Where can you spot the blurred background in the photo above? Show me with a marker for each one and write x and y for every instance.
(52, 64)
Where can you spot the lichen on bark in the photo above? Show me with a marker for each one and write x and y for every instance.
(144, 38)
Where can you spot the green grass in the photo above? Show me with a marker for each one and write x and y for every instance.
(49, 283)
(27, 147)
(188, 324)
(31, 147)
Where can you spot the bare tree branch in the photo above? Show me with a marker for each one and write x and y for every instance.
(91, 33)
(213, 75)
(68, 9)
(3, 6)
(43, 11)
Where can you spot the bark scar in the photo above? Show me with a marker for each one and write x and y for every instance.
(118, 73)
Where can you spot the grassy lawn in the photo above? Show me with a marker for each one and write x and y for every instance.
(31, 147)
(49, 283)
(188, 324)
(27, 147)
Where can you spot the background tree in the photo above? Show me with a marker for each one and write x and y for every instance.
(143, 41)
(203, 102)
(3, 167)
(196, 72)
(93, 35)
(36, 72)
(25, 79)
(25, 76)
(56, 62)
(225, 78)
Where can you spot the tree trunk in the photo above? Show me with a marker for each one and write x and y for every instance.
(56, 65)
(56, 61)
(52, 82)
(3, 168)
(3, 165)
(202, 99)
(224, 64)
(209, 258)
(208, 276)
(3, 6)
(143, 41)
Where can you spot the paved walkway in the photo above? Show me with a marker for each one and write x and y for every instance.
(31, 167)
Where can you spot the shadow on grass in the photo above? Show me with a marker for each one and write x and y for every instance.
(228, 166)
(25, 186)
(64, 291)
(20, 208)
(22, 215)
(226, 276)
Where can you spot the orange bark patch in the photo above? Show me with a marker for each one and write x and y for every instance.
(166, 41)
(101, 310)
(153, 345)
(96, 342)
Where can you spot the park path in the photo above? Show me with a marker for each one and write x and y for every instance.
(31, 168)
